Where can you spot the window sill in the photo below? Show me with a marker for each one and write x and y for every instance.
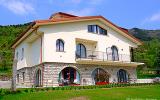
(98, 34)
(61, 51)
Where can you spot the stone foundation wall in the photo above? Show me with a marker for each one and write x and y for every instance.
(50, 74)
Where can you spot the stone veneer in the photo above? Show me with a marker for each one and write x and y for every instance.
(50, 73)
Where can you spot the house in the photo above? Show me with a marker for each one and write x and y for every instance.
(71, 50)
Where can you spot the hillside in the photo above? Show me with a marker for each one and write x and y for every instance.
(145, 35)
(7, 36)
(145, 53)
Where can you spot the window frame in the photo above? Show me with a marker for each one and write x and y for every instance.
(17, 55)
(17, 78)
(59, 48)
(22, 56)
(97, 30)
(80, 52)
(23, 76)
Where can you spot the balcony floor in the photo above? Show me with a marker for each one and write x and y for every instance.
(109, 63)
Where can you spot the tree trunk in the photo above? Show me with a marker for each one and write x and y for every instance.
(14, 74)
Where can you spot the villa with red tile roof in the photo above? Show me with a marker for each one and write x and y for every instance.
(72, 50)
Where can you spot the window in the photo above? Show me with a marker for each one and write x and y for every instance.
(23, 76)
(80, 51)
(59, 45)
(17, 78)
(122, 76)
(22, 53)
(17, 55)
(97, 29)
(115, 55)
(38, 80)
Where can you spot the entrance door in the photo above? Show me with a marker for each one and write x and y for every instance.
(69, 74)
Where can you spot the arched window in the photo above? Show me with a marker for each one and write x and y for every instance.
(115, 55)
(80, 51)
(122, 76)
(38, 78)
(59, 45)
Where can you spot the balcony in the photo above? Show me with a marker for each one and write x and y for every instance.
(105, 58)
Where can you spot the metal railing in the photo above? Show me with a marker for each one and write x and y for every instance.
(102, 56)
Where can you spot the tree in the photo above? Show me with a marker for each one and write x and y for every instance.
(158, 60)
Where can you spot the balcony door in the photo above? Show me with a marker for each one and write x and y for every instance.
(80, 51)
(115, 56)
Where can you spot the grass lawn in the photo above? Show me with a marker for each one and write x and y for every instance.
(125, 93)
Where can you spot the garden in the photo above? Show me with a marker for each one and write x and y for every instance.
(125, 91)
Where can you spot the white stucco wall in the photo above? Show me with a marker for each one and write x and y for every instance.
(69, 32)
(31, 53)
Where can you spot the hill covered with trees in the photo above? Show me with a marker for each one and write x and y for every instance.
(7, 35)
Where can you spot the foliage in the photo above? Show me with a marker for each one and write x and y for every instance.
(147, 53)
(7, 36)
(31, 90)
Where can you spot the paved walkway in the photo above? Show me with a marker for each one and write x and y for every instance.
(5, 84)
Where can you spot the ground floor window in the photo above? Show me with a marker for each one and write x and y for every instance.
(23, 76)
(69, 76)
(17, 78)
(100, 76)
(122, 76)
(38, 78)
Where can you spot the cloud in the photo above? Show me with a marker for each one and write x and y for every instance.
(82, 12)
(19, 7)
(155, 17)
(88, 9)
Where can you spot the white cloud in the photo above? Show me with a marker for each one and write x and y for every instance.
(19, 7)
(82, 12)
(155, 17)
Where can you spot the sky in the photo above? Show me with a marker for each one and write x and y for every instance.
(125, 13)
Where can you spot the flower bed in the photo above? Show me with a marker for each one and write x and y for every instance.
(102, 83)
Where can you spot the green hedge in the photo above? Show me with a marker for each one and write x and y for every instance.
(30, 90)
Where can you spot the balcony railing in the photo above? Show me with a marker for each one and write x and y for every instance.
(102, 56)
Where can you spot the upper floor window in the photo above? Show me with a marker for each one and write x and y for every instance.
(97, 29)
(59, 45)
(80, 51)
(17, 55)
(22, 53)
